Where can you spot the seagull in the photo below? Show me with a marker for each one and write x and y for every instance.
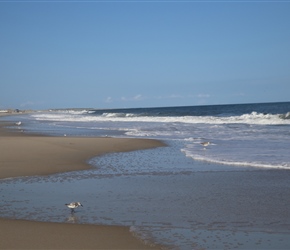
(73, 205)
(18, 123)
(205, 144)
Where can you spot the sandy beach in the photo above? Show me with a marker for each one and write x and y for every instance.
(21, 234)
(28, 155)
(158, 195)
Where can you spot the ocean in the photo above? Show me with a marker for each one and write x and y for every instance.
(255, 135)
(232, 193)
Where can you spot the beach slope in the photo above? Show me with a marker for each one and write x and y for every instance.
(28, 155)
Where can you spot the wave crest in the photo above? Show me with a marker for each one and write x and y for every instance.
(285, 116)
(87, 116)
(112, 115)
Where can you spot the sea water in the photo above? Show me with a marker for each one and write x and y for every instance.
(231, 194)
(256, 135)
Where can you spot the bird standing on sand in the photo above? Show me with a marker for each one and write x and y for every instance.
(73, 205)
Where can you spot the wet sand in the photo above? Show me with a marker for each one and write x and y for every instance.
(28, 155)
(21, 234)
(214, 207)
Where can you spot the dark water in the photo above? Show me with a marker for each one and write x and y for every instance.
(209, 110)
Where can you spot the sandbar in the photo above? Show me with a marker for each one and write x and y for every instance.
(29, 155)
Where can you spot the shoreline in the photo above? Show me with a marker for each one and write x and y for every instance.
(31, 155)
(24, 234)
(211, 207)
(28, 155)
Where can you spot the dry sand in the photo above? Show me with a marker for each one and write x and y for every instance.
(27, 155)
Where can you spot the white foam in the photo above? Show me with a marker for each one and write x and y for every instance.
(208, 158)
(80, 116)
(235, 140)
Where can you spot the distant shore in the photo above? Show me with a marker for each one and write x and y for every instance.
(28, 155)
(14, 111)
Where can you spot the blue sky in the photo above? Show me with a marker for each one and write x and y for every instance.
(116, 54)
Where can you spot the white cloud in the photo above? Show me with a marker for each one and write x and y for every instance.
(109, 99)
(28, 103)
(138, 97)
(203, 99)
(203, 95)
(134, 98)
(173, 96)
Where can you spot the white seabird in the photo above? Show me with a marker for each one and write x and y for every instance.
(73, 205)
(18, 123)
(205, 144)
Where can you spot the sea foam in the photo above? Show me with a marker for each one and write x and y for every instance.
(82, 116)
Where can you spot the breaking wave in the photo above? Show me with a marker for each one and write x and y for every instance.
(256, 164)
(89, 116)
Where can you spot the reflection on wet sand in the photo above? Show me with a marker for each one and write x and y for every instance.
(72, 219)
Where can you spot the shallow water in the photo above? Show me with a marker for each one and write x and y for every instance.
(254, 135)
(198, 206)
(233, 194)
